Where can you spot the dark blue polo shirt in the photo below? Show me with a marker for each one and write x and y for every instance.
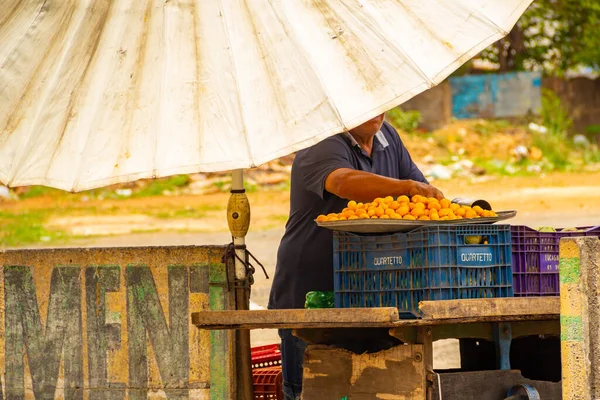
(305, 255)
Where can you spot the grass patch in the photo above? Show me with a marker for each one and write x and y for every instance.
(187, 212)
(182, 213)
(487, 127)
(407, 121)
(40, 191)
(27, 227)
(160, 186)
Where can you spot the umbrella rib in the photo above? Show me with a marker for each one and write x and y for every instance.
(482, 17)
(18, 44)
(54, 77)
(315, 70)
(237, 86)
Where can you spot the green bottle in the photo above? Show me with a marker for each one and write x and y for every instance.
(319, 300)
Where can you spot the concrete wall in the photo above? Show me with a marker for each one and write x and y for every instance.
(496, 95)
(435, 106)
(501, 96)
(113, 323)
(581, 96)
(579, 270)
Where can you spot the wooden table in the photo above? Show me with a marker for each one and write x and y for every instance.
(499, 320)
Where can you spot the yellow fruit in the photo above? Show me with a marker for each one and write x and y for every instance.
(432, 200)
(352, 217)
(444, 212)
(348, 214)
(403, 199)
(477, 209)
(389, 212)
(416, 198)
(394, 205)
(352, 205)
(374, 217)
(460, 212)
(384, 217)
(379, 211)
(331, 219)
(361, 206)
(454, 206)
(403, 210)
(445, 203)
(408, 216)
(470, 214)
(396, 216)
(417, 212)
(434, 205)
(388, 199)
(424, 218)
(434, 217)
(371, 211)
(342, 218)
(322, 218)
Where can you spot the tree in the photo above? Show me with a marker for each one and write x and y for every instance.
(553, 36)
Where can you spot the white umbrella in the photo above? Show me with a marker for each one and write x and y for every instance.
(97, 92)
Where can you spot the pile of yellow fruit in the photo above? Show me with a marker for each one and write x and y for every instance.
(415, 208)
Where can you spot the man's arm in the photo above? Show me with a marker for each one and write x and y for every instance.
(364, 186)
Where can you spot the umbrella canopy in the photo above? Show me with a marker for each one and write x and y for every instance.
(96, 92)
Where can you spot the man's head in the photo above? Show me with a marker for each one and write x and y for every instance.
(369, 128)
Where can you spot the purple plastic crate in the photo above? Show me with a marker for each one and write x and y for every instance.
(535, 259)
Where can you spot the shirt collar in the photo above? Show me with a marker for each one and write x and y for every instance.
(379, 136)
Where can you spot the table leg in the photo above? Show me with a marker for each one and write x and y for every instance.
(503, 338)
(425, 338)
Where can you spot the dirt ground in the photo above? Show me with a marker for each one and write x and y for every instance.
(560, 200)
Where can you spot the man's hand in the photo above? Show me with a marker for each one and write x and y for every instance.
(364, 186)
(424, 189)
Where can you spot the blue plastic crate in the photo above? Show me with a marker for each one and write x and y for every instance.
(429, 263)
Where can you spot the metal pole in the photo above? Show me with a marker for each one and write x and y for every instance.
(238, 218)
(240, 214)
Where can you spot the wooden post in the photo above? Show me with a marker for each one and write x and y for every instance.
(425, 338)
(503, 339)
(580, 317)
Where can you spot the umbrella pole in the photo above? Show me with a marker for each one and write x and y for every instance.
(238, 218)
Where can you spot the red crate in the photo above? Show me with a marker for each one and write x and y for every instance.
(266, 356)
(268, 383)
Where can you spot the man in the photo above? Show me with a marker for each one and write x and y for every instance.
(367, 162)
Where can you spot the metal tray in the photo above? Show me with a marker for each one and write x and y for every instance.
(402, 225)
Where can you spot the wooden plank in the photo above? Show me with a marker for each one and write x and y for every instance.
(488, 385)
(295, 323)
(444, 312)
(490, 308)
(396, 373)
(300, 318)
(358, 340)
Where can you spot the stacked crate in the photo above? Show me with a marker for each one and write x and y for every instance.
(266, 372)
(441, 262)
